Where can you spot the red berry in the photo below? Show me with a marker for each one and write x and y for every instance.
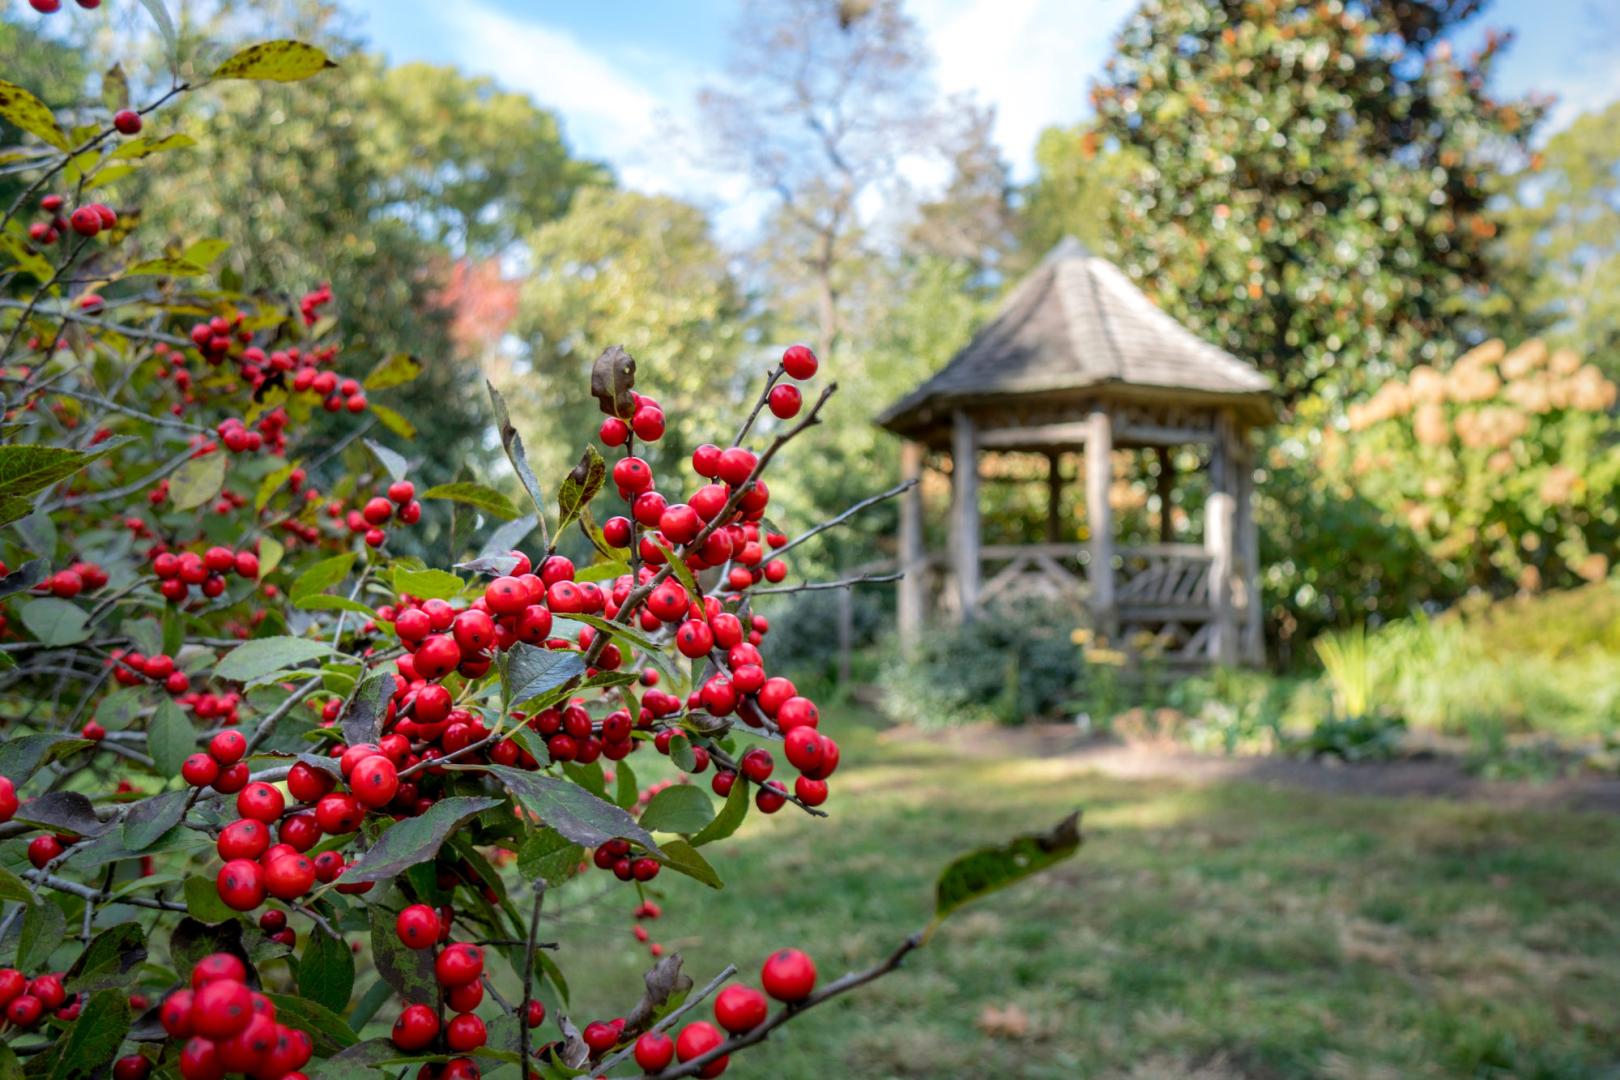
(222, 1009)
(227, 747)
(737, 465)
(217, 966)
(134, 1066)
(706, 461)
(788, 975)
(241, 884)
(25, 1010)
(307, 783)
(416, 1028)
(418, 927)
(654, 1051)
(244, 839)
(799, 362)
(536, 1014)
(374, 781)
(42, 849)
(290, 877)
(437, 656)
(339, 814)
(465, 1032)
(199, 1060)
(785, 401)
(697, 1039)
(459, 965)
(261, 802)
(740, 1009)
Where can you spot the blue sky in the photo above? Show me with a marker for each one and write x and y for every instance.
(623, 73)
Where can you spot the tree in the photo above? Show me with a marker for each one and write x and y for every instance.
(643, 271)
(1562, 232)
(211, 634)
(1077, 181)
(1313, 180)
(825, 99)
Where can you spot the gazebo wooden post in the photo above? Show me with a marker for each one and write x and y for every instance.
(1054, 497)
(1220, 541)
(1166, 490)
(1252, 643)
(965, 511)
(913, 555)
(1099, 518)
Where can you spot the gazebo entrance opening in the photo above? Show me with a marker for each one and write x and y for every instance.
(1075, 366)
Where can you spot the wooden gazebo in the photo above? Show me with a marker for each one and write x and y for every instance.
(1078, 359)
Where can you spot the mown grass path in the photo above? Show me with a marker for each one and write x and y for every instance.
(1215, 930)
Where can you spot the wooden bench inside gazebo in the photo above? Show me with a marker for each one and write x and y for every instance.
(1077, 359)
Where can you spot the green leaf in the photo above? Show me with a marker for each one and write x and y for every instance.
(170, 738)
(550, 855)
(415, 840)
(269, 486)
(571, 810)
(409, 971)
(326, 970)
(165, 25)
(680, 752)
(13, 887)
(486, 499)
(167, 268)
(362, 722)
(203, 252)
(43, 929)
(326, 602)
(682, 856)
(579, 487)
(26, 576)
(197, 481)
(64, 812)
(393, 421)
(606, 570)
(679, 808)
(980, 872)
(10, 1067)
(109, 175)
(55, 621)
(362, 1061)
(263, 656)
(513, 445)
(682, 572)
(616, 630)
(391, 460)
(270, 552)
(427, 584)
(191, 940)
(92, 1041)
(113, 958)
(730, 817)
(328, 1030)
(277, 61)
(150, 818)
(22, 109)
(626, 792)
(321, 576)
(19, 757)
(146, 146)
(529, 671)
(203, 902)
(391, 371)
(25, 470)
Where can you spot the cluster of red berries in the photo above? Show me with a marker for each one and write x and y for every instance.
(86, 221)
(177, 573)
(220, 766)
(310, 304)
(398, 504)
(27, 1001)
(44, 850)
(231, 1028)
(79, 578)
(646, 422)
(254, 867)
(131, 668)
(646, 909)
(51, 7)
(459, 970)
(788, 976)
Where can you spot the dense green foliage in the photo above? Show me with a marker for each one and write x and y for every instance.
(1310, 181)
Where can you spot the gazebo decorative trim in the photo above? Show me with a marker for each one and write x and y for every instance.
(1077, 358)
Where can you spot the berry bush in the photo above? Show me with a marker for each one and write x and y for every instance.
(279, 801)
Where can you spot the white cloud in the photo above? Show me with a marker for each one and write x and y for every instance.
(1032, 59)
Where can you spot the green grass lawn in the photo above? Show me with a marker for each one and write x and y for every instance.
(1210, 932)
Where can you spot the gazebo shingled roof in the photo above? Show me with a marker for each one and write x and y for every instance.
(1077, 327)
